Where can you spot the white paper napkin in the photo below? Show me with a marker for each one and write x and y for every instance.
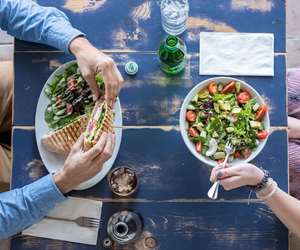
(72, 208)
(249, 54)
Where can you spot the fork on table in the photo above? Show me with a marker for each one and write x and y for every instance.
(80, 221)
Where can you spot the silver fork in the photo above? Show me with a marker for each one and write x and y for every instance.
(213, 191)
(80, 221)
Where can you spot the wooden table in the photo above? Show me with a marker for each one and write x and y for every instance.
(172, 196)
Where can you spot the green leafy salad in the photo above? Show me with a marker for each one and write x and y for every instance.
(70, 97)
(225, 112)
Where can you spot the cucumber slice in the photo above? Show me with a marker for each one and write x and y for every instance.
(230, 129)
(219, 155)
(213, 147)
(255, 124)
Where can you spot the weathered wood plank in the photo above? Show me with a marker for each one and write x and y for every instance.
(136, 24)
(162, 161)
(149, 98)
(189, 226)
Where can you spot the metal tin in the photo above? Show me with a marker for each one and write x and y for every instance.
(131, 68)
(125, 227)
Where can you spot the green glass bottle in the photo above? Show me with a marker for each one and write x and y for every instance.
(172, 55)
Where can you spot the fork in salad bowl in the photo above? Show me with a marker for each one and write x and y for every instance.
(213, 191)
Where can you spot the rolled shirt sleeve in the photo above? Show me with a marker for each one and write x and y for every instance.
(20, 208)
(29, 21)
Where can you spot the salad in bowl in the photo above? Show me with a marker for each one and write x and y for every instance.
(221, 110)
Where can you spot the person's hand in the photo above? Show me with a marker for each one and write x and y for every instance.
(237, 176)
(293, 127)
(80, 166)
(92, 61)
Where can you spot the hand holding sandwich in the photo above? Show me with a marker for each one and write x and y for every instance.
(92, 61)
(80, 166)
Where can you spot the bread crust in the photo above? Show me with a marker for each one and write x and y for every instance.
(62, 140)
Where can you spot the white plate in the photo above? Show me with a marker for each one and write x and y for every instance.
(183, 128)
(54, 162)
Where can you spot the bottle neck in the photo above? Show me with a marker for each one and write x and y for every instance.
(171, 43)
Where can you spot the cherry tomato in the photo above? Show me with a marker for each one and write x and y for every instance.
(261, 112)
(246, 153)
(191, 116)
(199, 146)
(212, 88)
(237, 155)
(220, 161)
(193, 132)
(230, 87)
(243, 97)
(262, 135)
(72, 84)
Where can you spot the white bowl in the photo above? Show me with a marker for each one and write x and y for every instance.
(182, 119)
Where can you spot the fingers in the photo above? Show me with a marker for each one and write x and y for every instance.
(213, 176)
(90, 79)
(228, 172)
(113, 81)
(78, 144)
(232, 182)
(98, 148)
(107, 151)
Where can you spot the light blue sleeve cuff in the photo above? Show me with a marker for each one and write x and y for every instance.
(62, 37)
(44, 191)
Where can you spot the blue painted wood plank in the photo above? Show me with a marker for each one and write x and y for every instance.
(162, 161)
(136, 24)
(150, 97)
(189, 225)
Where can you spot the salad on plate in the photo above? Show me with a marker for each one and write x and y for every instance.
(70, 97)
(223, 112)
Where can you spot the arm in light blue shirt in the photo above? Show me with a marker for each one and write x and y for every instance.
(20, 208)
(29, 21)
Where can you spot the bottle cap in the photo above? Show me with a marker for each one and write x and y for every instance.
(131, 68)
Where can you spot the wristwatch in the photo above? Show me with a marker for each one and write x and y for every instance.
(262, 184)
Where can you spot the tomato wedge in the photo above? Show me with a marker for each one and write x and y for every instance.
(199, 146)
(246, 153)
(261, 112)
(262, 135)
(230, 87)
(212, 88)
(237, 155)
(243, 97)
(193, 132)
(191, 116)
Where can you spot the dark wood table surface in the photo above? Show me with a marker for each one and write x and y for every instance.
(172, 196)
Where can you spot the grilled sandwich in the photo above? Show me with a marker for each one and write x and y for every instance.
(101, 121)
(61, 141)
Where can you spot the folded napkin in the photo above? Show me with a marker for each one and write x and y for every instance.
(249, 54)
(72, 208)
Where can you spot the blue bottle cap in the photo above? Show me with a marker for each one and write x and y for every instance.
(131, 68)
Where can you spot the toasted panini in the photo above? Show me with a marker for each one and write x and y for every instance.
(62, 140)
(101, 120)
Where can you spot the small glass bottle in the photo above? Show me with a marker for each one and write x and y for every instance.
(174, 15)
(172, 55)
